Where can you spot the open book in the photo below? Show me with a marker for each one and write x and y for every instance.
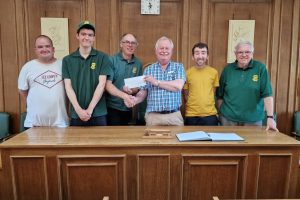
(203, 136)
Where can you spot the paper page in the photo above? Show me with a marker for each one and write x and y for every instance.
(135, 82)
(192, 136)
(225, 137)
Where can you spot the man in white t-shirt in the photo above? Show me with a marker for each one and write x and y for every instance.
(40, 84)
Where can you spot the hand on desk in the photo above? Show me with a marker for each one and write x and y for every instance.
(271, 125)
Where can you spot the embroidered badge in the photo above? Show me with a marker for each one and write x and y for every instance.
(134, 70)
(93, 66)
(255, 78)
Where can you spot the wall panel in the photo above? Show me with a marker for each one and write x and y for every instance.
(192, 28)
(104, 15)
(1, 76)
(283, 69)
(9, 62)
(149, 28)
(220, 15)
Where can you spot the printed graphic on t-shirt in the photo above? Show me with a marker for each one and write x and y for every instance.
(48, 79)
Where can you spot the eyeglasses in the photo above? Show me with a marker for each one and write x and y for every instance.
(129, 43)
(244, 52)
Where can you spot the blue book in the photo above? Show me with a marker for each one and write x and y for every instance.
(203, 136)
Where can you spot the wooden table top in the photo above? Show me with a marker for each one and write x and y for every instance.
(114, 136)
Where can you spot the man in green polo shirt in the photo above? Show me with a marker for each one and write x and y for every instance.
(84, 72)
(124, 65)
(245, 91)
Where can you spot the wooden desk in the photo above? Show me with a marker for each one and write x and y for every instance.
(90, 163)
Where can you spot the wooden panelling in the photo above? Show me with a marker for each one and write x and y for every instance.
(283, 89)
(271, 175)
(9, 61)
(92, 176)
(149, 28)
(186, 22)
(153, 177)
(29, 172)
(74, 10)
(214, 175)
(295, 60)
(105, 13)
(298, 183)
(221, 13)
(1, 76)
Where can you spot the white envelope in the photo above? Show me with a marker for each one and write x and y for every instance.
(135, 82)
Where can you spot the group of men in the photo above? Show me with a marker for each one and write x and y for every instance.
(94, 84)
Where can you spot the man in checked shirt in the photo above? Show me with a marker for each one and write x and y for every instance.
(165, 80)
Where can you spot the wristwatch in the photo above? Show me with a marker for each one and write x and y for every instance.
(270, 116)
(157, 83)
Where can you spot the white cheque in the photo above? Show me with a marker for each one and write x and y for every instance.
(135, 82)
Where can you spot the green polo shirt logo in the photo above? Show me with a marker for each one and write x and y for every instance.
(134, 69)
(93, 65)
(255, 78)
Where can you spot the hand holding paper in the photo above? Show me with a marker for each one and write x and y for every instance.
(135, 82)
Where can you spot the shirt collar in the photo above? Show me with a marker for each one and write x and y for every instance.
(249, 66)
(120, 56)
(92, 53)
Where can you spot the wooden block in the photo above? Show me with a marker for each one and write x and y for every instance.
(157, 133)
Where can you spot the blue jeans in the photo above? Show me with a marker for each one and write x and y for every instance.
(94, 121)
(227, 122)
(202, 121)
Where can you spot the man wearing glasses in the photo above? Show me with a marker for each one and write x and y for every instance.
(124, 65)
(245, 91)
(84, 72)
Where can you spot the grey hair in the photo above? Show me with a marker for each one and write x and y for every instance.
(164, 38)
(242, 43)
(125, 34)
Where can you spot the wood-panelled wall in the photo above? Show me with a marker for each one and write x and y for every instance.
(277, 35)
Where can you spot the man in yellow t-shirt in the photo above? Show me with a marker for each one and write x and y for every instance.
(199, 90)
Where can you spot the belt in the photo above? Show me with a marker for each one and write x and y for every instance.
(166, 111)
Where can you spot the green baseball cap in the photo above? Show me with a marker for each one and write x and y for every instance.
(87, 25)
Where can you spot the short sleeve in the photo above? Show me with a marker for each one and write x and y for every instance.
(65, 69)
(216, 81)
(106, 67)
(186, 85)
(180, 72)
(22, 80)
(146, 73)
(265, 83)
(110, 75)
(220, 89)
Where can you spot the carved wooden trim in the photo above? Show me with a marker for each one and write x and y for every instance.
(288, 173)
(14, 184)
(143, 156)
(238, 160)
(85, 161)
